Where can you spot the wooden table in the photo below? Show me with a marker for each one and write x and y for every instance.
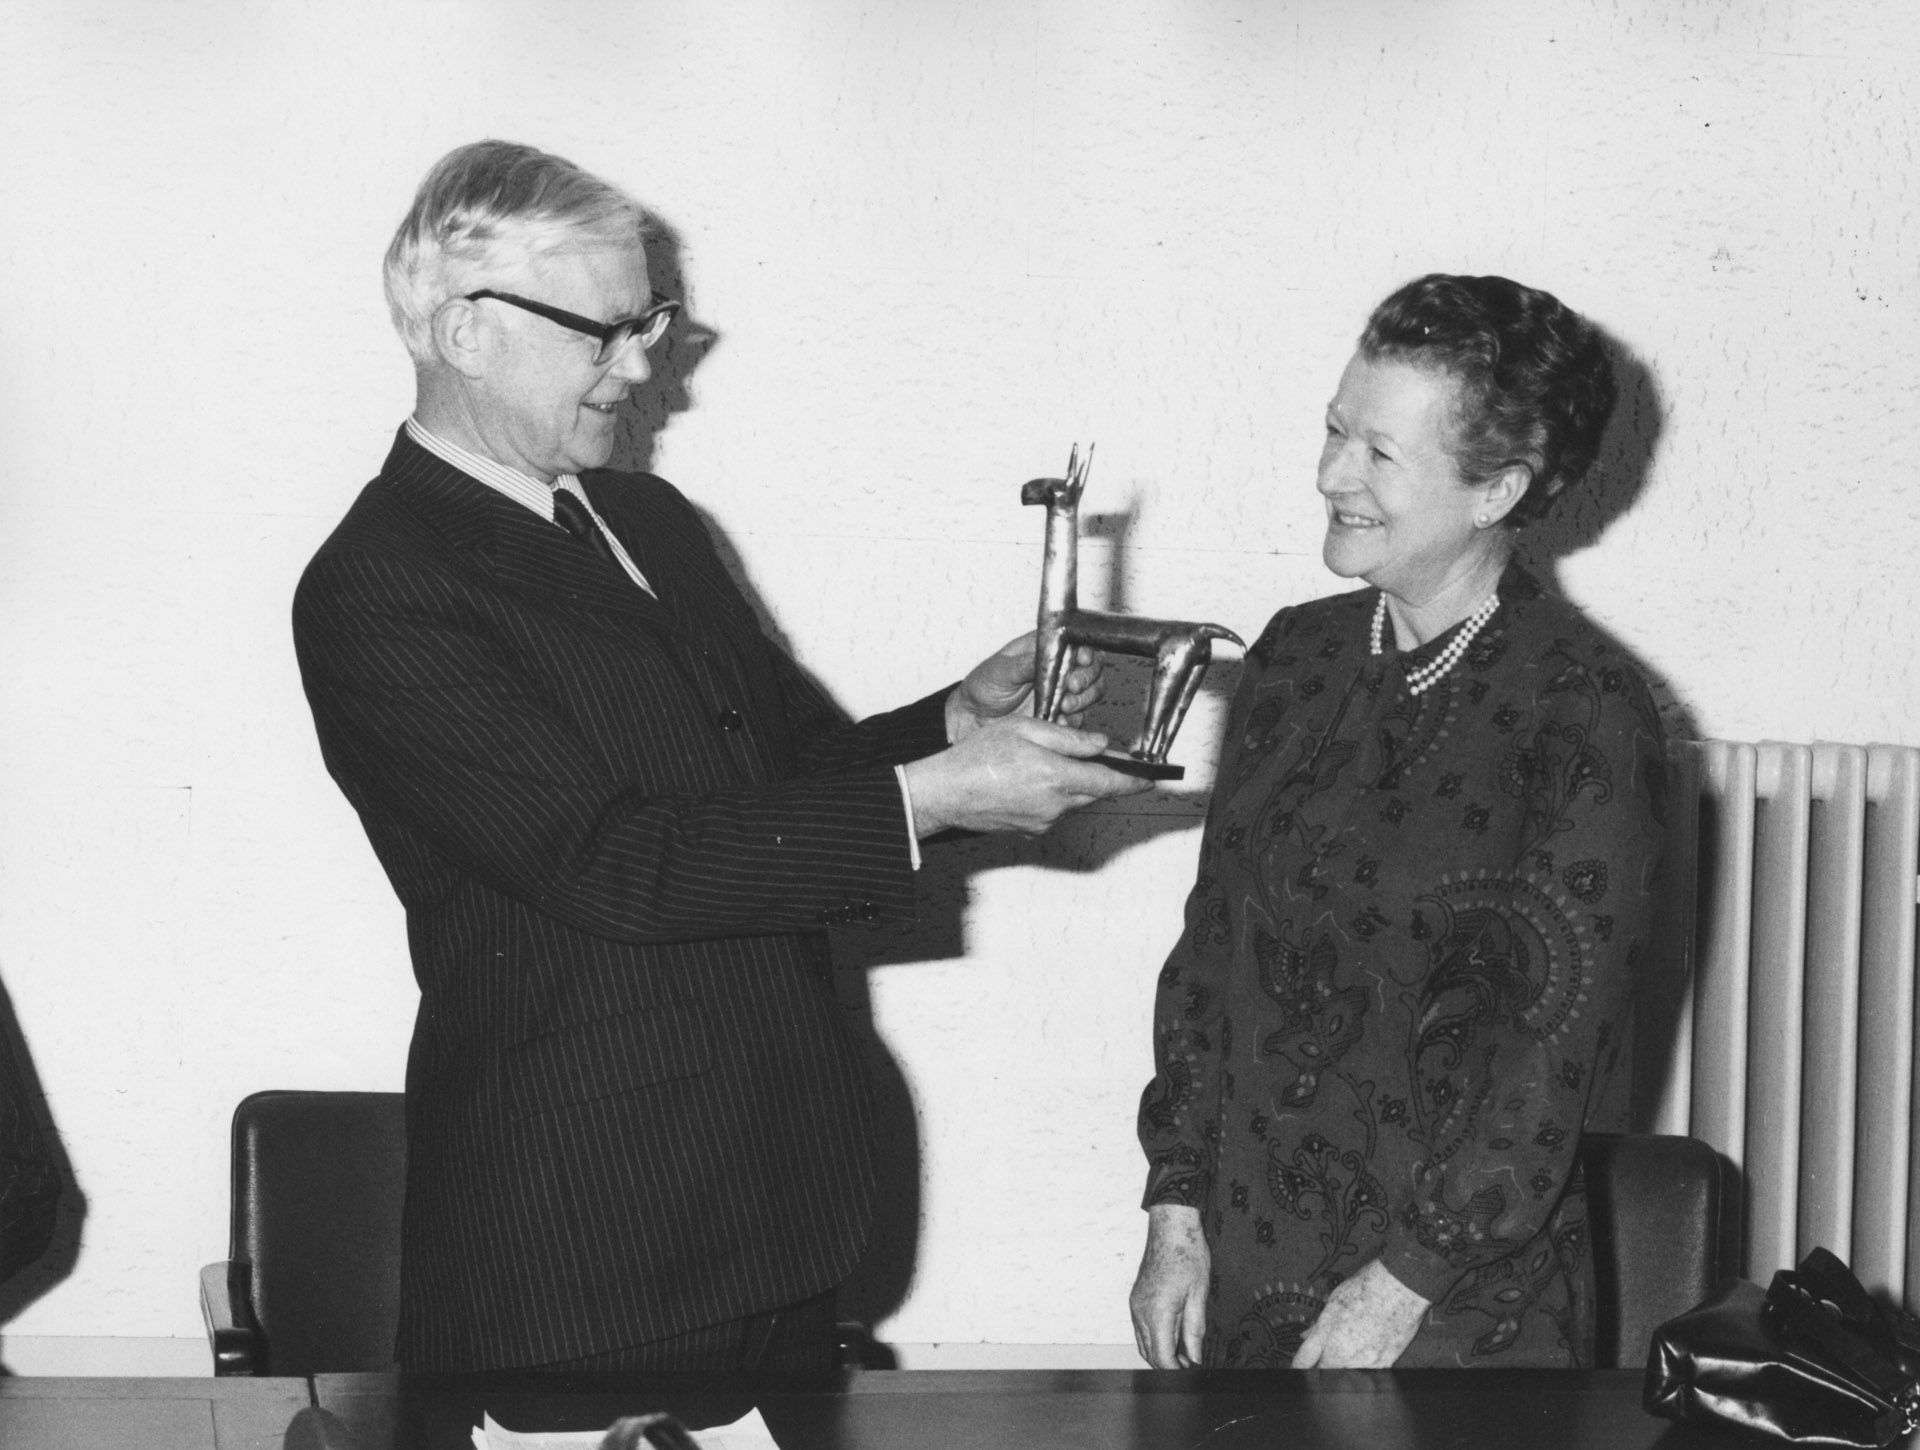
(148, 1414)
(1050, 1410)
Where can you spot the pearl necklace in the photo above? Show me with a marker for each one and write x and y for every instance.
(1425, 677)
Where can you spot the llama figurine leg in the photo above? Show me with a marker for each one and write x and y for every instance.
(1051, 655)
(1177, 672)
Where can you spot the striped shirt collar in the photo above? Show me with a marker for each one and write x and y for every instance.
(522, 488)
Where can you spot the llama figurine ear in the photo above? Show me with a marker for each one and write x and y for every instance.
(1180, 649)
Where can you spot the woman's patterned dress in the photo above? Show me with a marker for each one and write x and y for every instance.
(1405, 977)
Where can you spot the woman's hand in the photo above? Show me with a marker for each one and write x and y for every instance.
(1369, 1321)
(1169, 1299)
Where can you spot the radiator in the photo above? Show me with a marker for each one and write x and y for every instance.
(1783, 1032)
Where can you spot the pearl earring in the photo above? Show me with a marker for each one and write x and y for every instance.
(1480, 521)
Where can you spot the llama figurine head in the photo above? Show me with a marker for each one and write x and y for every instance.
(1180, 649)
(1060, 492)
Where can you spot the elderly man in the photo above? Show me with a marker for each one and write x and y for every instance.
(620, 820)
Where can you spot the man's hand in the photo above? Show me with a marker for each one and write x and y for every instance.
(1169, 1299)
(1012, 774)
(1369, 1321)
(1001, 682)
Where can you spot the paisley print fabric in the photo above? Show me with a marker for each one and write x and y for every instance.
(1404, 978)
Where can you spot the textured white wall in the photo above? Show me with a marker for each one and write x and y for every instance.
(939, 240)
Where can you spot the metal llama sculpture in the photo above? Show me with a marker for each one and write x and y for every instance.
(1180, 650)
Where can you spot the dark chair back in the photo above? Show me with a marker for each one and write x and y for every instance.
(1653, 1207)
(318, 1180)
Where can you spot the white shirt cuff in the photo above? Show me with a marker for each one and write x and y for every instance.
(906, 799)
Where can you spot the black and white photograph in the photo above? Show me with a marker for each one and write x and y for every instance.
(842, 723)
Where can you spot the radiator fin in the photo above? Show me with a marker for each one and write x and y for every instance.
(1782, 1031)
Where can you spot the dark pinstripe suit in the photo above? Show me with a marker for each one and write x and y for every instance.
(618, 827)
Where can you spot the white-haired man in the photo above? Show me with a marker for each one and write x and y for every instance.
(620, 821)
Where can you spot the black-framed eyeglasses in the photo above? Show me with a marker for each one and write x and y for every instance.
(649, 327)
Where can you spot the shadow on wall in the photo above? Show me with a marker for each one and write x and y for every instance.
(1081, 844)
(41, 1206)
(1609, 493)
(651, 406)
(1615, 485)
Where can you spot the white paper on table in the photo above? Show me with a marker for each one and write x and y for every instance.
(749, 1432)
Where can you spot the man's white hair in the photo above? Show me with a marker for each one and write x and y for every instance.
(483, 211)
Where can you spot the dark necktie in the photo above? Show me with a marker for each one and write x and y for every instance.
(572, 515)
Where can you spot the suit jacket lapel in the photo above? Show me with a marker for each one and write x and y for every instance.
(670, 543)
(525, 552)
(540, 557)
(675, 565)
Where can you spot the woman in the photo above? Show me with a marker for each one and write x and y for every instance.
(1424, 888)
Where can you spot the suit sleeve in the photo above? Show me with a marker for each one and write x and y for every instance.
(1511, 1043)
(29, 1178)
(442, 742)
(826, 740)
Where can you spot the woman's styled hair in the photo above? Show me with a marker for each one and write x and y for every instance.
(481, 213)
(1533, 382)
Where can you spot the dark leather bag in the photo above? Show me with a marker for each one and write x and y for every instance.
(1813, 1361)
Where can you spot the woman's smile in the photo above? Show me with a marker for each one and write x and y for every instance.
(1347, 520)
